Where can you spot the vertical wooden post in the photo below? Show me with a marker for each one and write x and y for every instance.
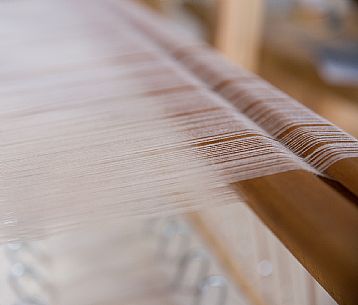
(238, 30)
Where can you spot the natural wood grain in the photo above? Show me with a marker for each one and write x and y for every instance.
(317, 224)
(346, 172)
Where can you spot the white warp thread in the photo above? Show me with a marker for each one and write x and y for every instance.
(305, 133)
(98, 123)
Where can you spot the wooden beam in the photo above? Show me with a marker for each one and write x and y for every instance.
(345, 171)
(316, 223)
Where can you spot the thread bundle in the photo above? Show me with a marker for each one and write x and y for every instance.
(98, 122)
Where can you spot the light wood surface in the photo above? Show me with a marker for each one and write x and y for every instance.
(345, 171)
(316, 223)
(238, 30)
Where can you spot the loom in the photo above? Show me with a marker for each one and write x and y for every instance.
(112, 118)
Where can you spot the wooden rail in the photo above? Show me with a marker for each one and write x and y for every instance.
(314, 221)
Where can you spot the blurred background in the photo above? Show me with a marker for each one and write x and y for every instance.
(307, 48)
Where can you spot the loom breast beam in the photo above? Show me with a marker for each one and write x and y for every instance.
(320, 230)
(321, 144)
(345, 171)
(314, 222)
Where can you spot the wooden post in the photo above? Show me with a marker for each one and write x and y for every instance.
(238, 30)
